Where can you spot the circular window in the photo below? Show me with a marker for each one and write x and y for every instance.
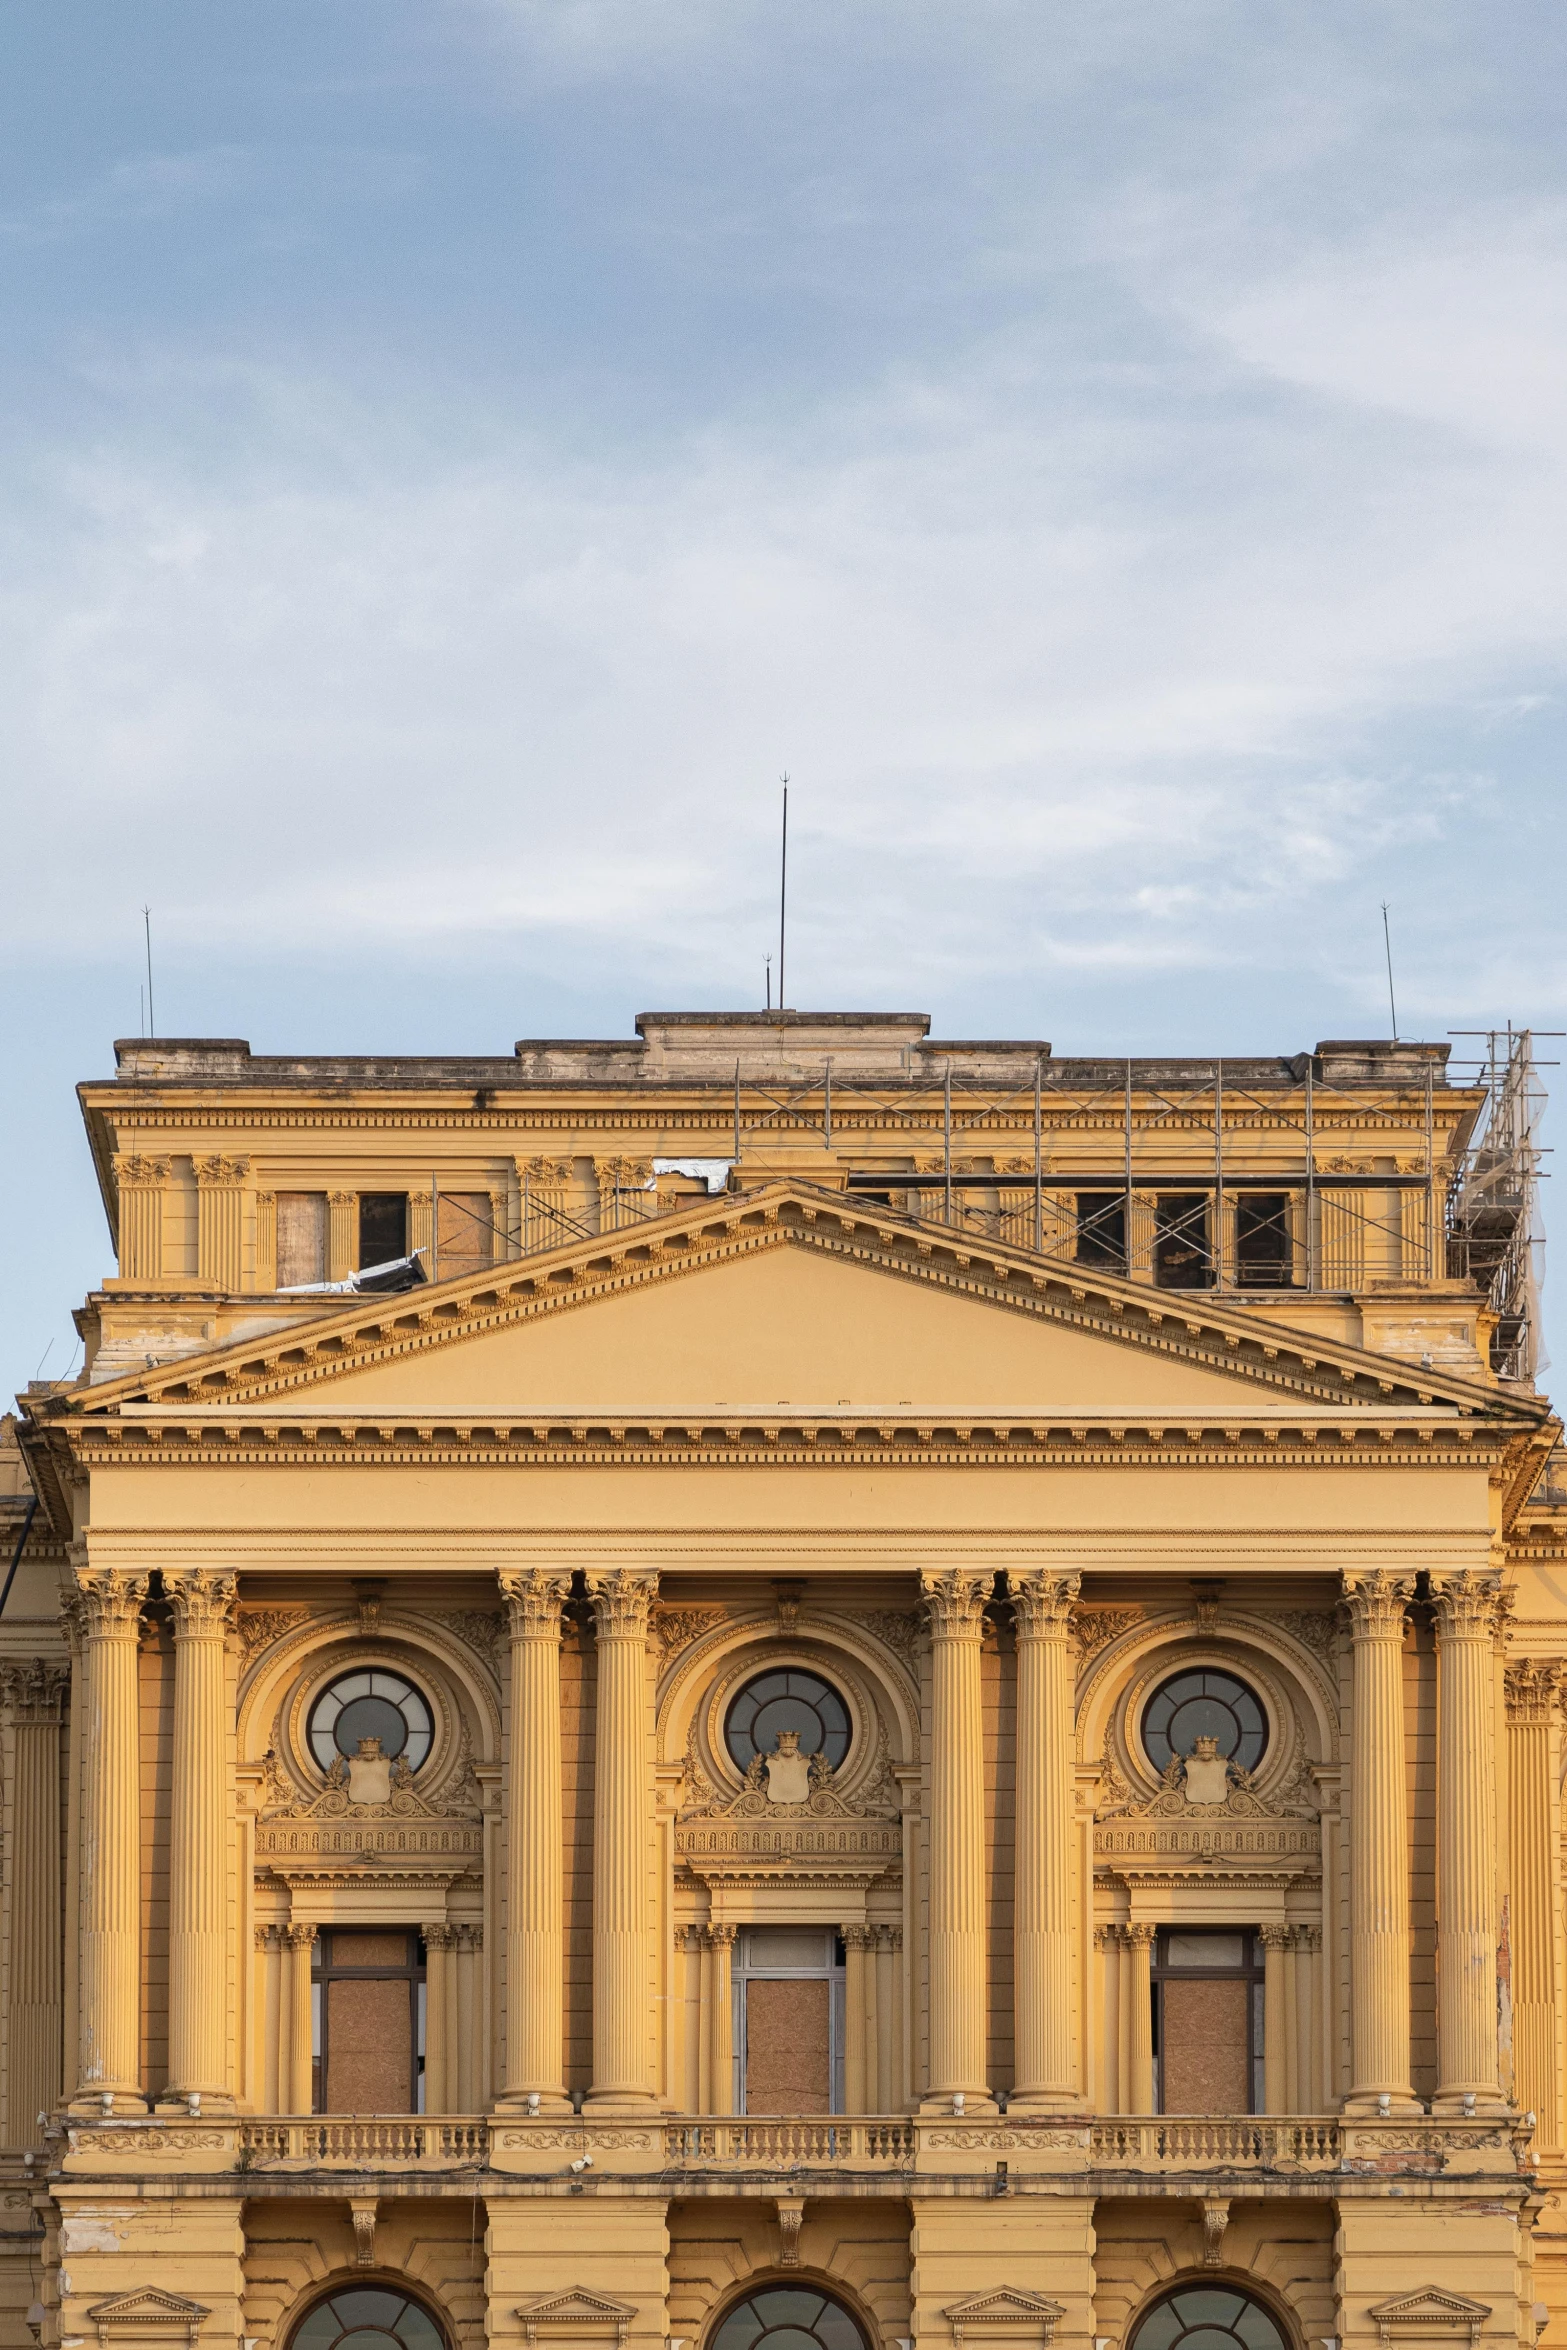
(1190, 1706)
(788, 2317)
(794, 1700)
(1208, 2317)
(368, 2318)
(370, 1705)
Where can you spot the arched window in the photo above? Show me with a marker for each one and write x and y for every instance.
(1208, 2317)
(1204, 1704)
(367, 2317)
(792, 1700)
(370, 1705)
(784, 2317)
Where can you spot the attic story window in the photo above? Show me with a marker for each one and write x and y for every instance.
(383, 1227)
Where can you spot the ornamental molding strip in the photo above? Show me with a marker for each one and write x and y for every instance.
(1430, 2310)
(1182, 1833)
(751, 1838)
(332, 1835)
(1006, 2309)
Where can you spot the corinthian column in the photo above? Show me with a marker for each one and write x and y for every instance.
(535, 1896)
(955, 1602)
(1467, 1605)
(622, 1597)
(109, 2001)
(31, 1694)
(1378, 1850)
(202, 1606)
(1044, 1957)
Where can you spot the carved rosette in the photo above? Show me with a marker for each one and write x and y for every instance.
(622, 1600)
(954, 1599)
(202, 1603)
(111, 1602)
(1042, 1601)
(534, 1597)
(1374, 1598)
(32, 1689)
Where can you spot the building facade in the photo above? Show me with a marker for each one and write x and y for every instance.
(781, 1687)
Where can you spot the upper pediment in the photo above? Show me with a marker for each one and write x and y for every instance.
(790, 1301)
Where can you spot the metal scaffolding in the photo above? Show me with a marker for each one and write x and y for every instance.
(1495, 1233)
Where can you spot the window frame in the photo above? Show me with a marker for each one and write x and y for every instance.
(1251, 1972)
(323, 1973)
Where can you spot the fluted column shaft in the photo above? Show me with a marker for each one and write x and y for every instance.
(1139, 1941)
(858, 2021)
(301, 2037)
(955, 1603)
(622, 1598)
(1378, 1846)
(439, 2049)
(1466, 1604)
(202, 1606)
(535, 1882)
(1275, 2019)
(31, 1695)
(1044, 1952)
(721, 2020)
(109, 2004)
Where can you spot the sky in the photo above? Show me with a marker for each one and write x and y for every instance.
(455, 455)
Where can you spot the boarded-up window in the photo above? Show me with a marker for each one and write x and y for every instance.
(301, 1238)
(1207, 1989)
(463, 1233)
(369, 1996)
(383, 1227)
(788, 2059)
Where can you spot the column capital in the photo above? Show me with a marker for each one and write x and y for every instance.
(220, 1172)
(1277, 1937)
(300, 1936)
(439, 1936)
(954, 1600)
(110, 1600)
(622, 1600)
(1042, 1600)
(859, 1937)
(1468, 1603)
(534, 1597)
(721, 1936)
(202, 1603)
(1534, 1687)
(32, 1689)
(1375, 1599)
(1139, 1932)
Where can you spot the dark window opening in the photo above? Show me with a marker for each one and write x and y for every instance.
(383, 1227)
(1207, 2020)
(1208, 2317)
(1264, 1257)
(367, 1997)
(1101, 1229)
(1182, 1256)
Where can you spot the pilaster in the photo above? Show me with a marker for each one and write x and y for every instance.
(140, 1184)
(32, 1694)
(220, 1230)
(1534, 1689)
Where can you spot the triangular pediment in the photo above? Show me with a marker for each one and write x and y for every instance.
(579, 2306)
(1004, 2305)
(788, 1304)
(149, 2305)
(1431, 2304)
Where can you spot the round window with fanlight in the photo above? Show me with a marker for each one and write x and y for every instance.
(374, 1704)
(368, 2317)
(790, 1699)
(1204, 1703)
(1208, 2317)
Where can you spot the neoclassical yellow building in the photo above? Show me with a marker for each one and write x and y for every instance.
(783, 1687)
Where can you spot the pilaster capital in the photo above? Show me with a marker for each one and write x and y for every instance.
(110, 1600)
(721, 1936)
(1534, 1687)
(1374, 1598)
(1468, 1603)
(300, 1937)
(220, 1174)
(1139, 1934)
(954, 1600)
(859, 1937)
(1277, 1937)
(439, 1936)
(133, 1171)
(622, 1600)
(534, 1597)
(32, 1689)
(1042, 1600)
(202, 1603)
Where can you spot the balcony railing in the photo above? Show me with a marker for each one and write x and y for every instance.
(832, 2143)
(1215, 2144)
(365, 2145)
